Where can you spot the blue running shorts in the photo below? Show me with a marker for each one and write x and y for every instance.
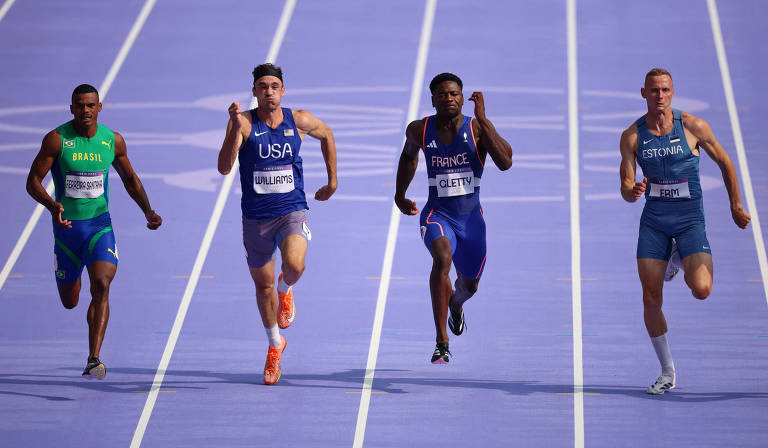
(262, 237)
(87, 241)
(466, 233)
(662, 221)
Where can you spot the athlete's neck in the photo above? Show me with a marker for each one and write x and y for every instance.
(449, 122)
(85, 131)
(271, 118)
(660, 122)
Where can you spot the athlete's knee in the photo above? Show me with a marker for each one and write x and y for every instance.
(69, 303)
(100, 286)
(441, 261)
(701, 292)
(652, 298)
(293, 269)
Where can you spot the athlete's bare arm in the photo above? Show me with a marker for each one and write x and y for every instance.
(406, 168)
(238, 128)
(490, 140)
(630, 190)
(132, 183)
(308, 124)
(49, 152)
(706, 140)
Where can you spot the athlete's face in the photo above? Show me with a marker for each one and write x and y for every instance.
(269, 91)
(658, 93)
(85, 108)
(448, 99)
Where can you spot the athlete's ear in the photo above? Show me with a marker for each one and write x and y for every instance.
(99, 108)
(642, 92)
(253, 90)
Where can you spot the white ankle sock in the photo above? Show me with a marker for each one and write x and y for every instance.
(283, 287)
(661, 346)
(273, 334)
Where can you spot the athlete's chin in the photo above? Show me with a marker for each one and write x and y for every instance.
(449, 112)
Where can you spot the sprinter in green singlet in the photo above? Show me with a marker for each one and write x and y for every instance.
(78, 154)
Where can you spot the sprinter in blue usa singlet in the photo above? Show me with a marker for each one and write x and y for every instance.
(266, 141)
(452, 224)
(667, 144)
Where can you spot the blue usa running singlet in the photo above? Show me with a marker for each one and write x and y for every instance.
(453, 171)
(271, 176)
(668, 162)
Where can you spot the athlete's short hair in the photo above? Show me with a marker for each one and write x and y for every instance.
(657, 72)
(84, 88)
(267, 70)
(441, 78)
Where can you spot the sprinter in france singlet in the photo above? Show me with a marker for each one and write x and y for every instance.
(453, 206)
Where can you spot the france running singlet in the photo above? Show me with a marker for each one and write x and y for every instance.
(81, 172)
(668, 162)
(453, 171)
(271, 176)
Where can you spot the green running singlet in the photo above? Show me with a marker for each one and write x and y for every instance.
(81, 172)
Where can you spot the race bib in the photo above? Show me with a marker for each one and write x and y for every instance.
(455, 184)
(84, 184)
(670, 189)
(273, 179)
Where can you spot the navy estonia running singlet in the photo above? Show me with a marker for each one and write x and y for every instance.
(669, 164)
(453, 171)
(271, 176)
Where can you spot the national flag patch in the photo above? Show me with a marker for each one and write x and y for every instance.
(674, 139)
(69, 143)
(288, 133)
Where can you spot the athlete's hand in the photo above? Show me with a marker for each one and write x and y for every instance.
(325, 192)
(477, 97)
(407, 206)
(234, 115)
(153, 220)
(639, 188)
(56, 211)
(740, 216)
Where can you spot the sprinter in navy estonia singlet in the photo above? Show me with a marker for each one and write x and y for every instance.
(673, 207)
(271, 176)
(453, 207)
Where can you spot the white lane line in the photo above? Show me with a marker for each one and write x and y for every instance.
(105, 86)
(741, 154)
(4, 9)
(394, 223)
(202, 253)
(573, 134)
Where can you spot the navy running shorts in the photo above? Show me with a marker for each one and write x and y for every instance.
(466, 234)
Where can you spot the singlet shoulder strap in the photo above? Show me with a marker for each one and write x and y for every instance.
(424, 134)
(640, 122)
(677, 114)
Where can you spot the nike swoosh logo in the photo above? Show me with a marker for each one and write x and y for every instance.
(645, 142)
(260, 133)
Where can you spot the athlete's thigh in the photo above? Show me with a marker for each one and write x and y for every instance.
(263, 276)
(435, 225)
(293, 236)
(102, 271)
(698, 268)
(470, 254)
(651, 272)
